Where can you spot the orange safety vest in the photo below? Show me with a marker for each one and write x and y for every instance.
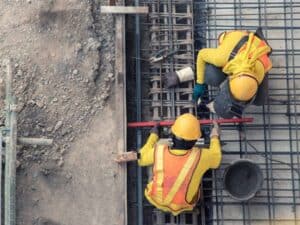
(171, 178)
(264, 59)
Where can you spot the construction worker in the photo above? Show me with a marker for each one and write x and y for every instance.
(178, 170)
(239, 64)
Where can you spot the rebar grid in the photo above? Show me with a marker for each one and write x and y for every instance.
(273, 139)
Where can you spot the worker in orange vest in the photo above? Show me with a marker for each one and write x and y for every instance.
(178, 170)
(239, 65)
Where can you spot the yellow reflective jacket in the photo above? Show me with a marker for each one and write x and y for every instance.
(219, 56)
(210, 159)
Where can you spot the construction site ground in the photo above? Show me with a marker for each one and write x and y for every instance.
(63, 61)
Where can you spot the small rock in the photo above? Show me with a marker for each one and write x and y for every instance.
(104, 96)
(19, 73)
(40, 104)
(69, 176)
(58, 125)
(63, 151)
(78, 47)
(29, 1)
(49, 129)
(60, 162)
(75, 72)
(54, 100)
(110, 75)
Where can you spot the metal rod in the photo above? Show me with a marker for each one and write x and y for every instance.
(10, 153)
(138, 114)
(10, 171)
(171, 122)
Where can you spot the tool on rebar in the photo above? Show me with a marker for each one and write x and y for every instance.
(162, 55)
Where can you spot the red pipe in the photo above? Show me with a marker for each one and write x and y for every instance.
(170, 122)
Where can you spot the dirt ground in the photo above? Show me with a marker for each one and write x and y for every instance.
(63, 58)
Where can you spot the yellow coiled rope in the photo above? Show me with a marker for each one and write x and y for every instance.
(242, 63)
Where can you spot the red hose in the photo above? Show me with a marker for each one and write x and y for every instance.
(170, 122)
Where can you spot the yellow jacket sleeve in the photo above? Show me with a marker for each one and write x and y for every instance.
(147, 151)
(217, 56)
(215, 153)
(210, 159)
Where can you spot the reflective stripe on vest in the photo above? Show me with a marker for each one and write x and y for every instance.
(166, 187)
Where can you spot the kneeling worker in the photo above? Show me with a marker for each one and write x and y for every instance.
(243, 58)
(238, 66)
(178, 170)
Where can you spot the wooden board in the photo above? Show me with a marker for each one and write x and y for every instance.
(120, 113)
(124, 10)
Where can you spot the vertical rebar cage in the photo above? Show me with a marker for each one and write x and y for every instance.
(272, 141)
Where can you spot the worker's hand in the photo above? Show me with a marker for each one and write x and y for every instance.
(215, 132)
(171, 80)
(155, 129)
(198, 91)
(126, 157)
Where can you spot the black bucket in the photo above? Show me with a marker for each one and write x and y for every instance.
(243, 179)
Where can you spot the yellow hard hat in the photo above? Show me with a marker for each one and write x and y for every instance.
(243, 87)
(186, 127)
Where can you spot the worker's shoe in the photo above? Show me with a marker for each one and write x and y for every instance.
(226, 106)
(210, 106)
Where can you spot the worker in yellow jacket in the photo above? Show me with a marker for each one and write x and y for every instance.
(178, 170)
(239, 64)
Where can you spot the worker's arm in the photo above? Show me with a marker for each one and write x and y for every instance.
(147, 151)
(210, 159)
(217, 56)
(215, 153)
(213, 56)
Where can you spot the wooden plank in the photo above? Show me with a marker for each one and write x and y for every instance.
(124, 9)
(120, 114)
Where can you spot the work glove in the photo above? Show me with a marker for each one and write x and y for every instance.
(155, 129)
(171, 80)
(215, 132)
(174, 78)
(198, 91)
